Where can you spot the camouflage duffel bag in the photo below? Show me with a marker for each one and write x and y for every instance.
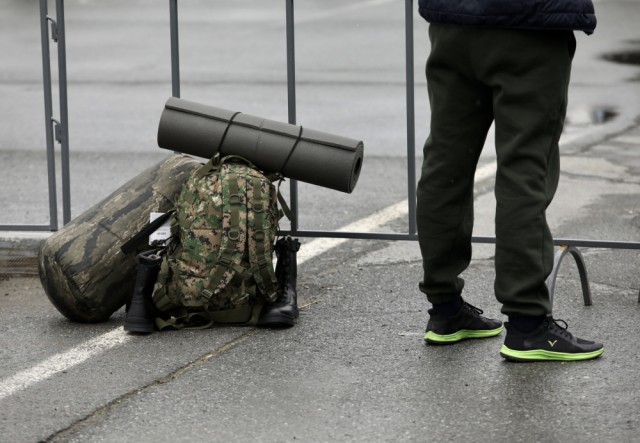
(219, 269)
(82, 268)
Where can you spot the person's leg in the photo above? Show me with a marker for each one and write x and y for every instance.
(461, 114)
(529, 73)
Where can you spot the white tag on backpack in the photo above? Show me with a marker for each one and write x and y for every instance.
(162, 235)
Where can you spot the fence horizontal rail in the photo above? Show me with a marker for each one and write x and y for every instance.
(476, 239)
(58, 35)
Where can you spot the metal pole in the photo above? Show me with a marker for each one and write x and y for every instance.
(411, 121)
(64, 114)
(291, 88)
(48, 115)
(175, 48)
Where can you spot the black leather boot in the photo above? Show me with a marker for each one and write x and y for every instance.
(140, 311)
(283, 311)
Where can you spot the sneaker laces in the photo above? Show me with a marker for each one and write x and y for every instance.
(476, 311)
(555, 323)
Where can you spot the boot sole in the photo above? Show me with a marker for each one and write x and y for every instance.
(140, 326)
(277, 321)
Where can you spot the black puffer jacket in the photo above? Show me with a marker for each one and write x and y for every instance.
(514, 14)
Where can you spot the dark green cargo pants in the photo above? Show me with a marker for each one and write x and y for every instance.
(519, 78)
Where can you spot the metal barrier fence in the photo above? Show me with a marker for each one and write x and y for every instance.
(57, 130)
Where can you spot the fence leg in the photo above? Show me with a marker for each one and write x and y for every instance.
(582, 270)
(63, 134)
(411, 119)
(291, 92)
(175, 48)
(60, 128)
(48, 110)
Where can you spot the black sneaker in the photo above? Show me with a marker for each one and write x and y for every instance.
(467, 323)
(549, 342)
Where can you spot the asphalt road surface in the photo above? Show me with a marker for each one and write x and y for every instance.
(354, 368)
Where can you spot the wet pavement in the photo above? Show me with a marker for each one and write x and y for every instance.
(354, 368)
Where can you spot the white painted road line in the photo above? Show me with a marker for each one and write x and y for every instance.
(368, 224)
(62, 362)
(374, 222)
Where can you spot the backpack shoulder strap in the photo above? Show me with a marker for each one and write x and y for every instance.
(258, 230)
(234, 216)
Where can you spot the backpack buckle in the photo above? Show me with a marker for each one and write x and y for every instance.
(235, 200)
(225, 261)
(206, 294)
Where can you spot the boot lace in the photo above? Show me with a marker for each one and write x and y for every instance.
(283, 271)
(284, 277)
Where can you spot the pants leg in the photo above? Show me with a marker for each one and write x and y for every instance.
(461, 114)
(528, 72)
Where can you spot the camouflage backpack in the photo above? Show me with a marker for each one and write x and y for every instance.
(220, 269)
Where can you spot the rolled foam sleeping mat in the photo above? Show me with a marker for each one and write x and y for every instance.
(82, 269)
(298, 153)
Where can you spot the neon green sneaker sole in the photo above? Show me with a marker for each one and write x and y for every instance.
(542, 355)
(462, 334)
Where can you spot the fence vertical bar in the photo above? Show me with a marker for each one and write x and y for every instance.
(48, 115)
(411, 121)
(291, 91)
(175, 48)
(64, 114)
